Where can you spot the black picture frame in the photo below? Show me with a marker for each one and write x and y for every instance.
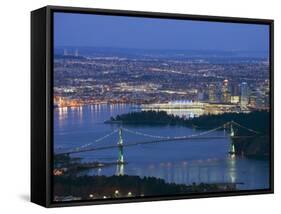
(42, 102)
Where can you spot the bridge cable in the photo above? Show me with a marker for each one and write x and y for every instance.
(174, 137)
(160, 137)
(243, 127)
(96, 141)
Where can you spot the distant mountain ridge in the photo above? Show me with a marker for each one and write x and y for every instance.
(160, 53)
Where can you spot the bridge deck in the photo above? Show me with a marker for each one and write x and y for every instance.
(150, 142)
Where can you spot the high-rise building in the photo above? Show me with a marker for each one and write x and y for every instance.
(266, 93)
(266, 85)
(212, 93)
(244, 100)
(253, 99)
(235, 93)
(225, 92)
(235, 90)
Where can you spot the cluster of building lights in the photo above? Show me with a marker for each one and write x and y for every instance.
(116, 194)
(240, 94)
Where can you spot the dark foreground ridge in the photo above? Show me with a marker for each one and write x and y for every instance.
(102, 187)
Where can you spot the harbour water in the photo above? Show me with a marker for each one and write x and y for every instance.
(182, 162)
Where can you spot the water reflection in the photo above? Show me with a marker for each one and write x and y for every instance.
(62, 116)
(62, 113)
(180, 162)
(232, 168)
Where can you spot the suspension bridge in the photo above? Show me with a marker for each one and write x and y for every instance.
(230, 127)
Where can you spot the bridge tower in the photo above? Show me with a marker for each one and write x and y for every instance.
(231, 130)
(232, 134)
(120, 148)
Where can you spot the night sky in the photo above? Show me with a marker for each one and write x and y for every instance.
(87, 30)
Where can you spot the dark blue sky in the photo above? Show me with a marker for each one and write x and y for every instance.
(147, 33)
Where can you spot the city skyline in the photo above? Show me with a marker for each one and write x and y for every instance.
(102, 79)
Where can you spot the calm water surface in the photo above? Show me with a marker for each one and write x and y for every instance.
(182, 162)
